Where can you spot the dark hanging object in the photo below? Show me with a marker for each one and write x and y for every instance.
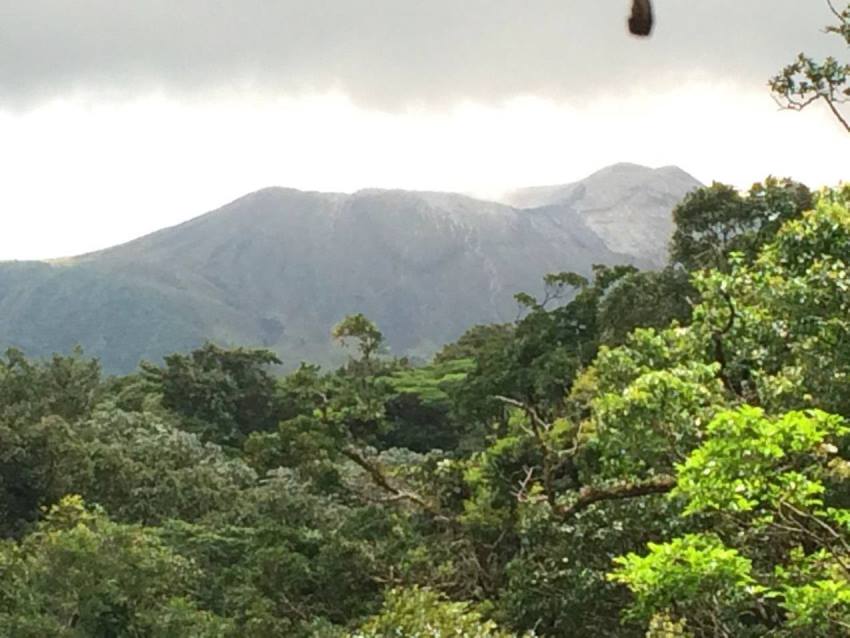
(640, 22)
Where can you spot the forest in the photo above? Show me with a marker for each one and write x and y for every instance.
(652, 454)
(640, 454)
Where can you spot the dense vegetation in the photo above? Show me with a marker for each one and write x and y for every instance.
(640, 454)
(644, 454)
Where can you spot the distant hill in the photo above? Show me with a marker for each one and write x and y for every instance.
(278, 268)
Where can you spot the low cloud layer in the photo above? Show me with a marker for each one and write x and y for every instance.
(391, 53)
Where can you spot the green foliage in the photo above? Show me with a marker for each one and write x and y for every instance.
(65, 386)
(764, 479)
(420, 412)
(557, 581)
(696, 575)
(143, 468)
(807, 81)
(749, 462)
(539, 360)
(420, 613)
(645, 300)
(716, 221)
(284, 556)
(38, 464)
(662, 626)
(80, 574)
(223, 394)
(38, 452)
(369, 339)
(474, 343)
(779, 326)
(435, 383)
(641, 454)
(654, 421)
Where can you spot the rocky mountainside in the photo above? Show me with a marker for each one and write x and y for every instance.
(278, 268)
(628, 206)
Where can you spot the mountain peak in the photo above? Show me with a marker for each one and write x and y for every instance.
(279, 267)
(628, 205)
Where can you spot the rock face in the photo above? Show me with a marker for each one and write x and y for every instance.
(278, 268)
(628, 206)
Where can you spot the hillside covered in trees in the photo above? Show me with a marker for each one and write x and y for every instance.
(642, 453)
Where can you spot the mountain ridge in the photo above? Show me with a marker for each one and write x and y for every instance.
(278, 267)
(607, 200)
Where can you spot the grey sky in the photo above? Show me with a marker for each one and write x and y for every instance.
(120, 117)
(390, 53)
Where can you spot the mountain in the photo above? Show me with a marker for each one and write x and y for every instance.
(279, 267)
(628, 206)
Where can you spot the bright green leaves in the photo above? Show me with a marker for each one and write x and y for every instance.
(655, 421)
(765, 480)
(823, 233)
(750, 462)
(815, 592)
(645, 351)
(421, 613)
(433, 384)
(780, 326)
(691, 574)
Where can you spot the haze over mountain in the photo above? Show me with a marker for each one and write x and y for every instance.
(628, 206)
(279, 267)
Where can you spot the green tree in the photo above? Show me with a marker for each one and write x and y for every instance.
(775, 562)
(420, 613)
(369, 339)
(286, 556)
(40, 461)
(646, 299)
(807, 81)
(716, 221)
(144, 469)
(221, 394)
(80, 575)
(39, 456)
(64, 386)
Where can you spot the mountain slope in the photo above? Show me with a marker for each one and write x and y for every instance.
(628, 206)
(279, 267)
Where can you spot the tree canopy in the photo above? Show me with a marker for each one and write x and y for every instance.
(638, 454)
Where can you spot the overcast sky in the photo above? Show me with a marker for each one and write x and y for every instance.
(118, 117)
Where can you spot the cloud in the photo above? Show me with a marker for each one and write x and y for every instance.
(391, 53)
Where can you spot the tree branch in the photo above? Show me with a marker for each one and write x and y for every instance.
(591, 495)
(381, 481)
(719, 350)
(538, 429)
(838, 114)
(587, 495)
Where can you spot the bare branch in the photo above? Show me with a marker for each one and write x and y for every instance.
(591, 495)
(521, 493)
(835, 11)
(838, 114)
